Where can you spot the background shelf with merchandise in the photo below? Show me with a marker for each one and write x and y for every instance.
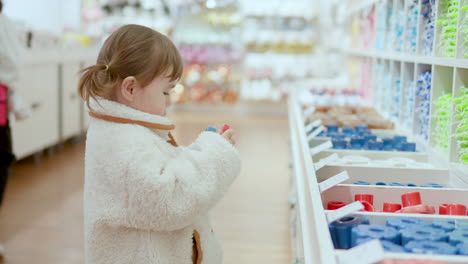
(407, 60)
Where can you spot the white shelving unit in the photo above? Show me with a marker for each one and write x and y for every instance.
(448, 73)
(390, 61)
(48, 82)
(316, 240)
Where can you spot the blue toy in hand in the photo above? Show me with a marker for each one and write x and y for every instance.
(210, 129)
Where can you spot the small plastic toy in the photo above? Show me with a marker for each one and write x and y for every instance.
(391, 207)
(341, 230)
(430, 247)
(213, 129)
(374, 231)
(333, 205)
(456, 209)
(423, 233)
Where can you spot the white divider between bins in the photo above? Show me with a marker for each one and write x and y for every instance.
(310, 126)
(317, 149)
(333, 215)
(333, 181)
(315, 133)
(326, 161)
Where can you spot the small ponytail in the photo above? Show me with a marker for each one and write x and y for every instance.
(96, 81)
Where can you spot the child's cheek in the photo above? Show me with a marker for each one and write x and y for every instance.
(168, 101)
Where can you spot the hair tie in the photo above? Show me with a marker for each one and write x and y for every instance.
(107, 67)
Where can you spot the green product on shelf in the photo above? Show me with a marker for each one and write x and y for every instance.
(442, 118)
(464, 29)
(448, 23)
(461, 110)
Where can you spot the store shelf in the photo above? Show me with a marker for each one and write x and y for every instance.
(454, 191)
(356, 7)
(440, 61)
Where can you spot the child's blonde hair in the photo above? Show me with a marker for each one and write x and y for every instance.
(132, 50)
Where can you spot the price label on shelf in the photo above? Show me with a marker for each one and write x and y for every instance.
(366, 253)
(309, 111)
(324, 162)
(310, 126)
(324, 146)
(335, 180)
(315, 133)
(344, 211)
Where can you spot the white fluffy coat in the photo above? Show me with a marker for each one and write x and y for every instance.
(144, 198)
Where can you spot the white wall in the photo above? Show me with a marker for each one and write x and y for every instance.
(45, 15)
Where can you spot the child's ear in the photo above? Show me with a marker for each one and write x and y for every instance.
(128, 88)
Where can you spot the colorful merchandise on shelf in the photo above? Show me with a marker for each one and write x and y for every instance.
(399, 26)
(447, 24)
(402, 234)
(349, 117)
(333, 205)
(340, 230)
(419, 90)
(380, 27)
(461, 133)
(428, 11)
(379, 85)
(299, 44)
(208, 39)
(442, 121)
(408, 102)
(390, 22)
(396, 98)
(269, 76)
(411, 203)
(388, 97)
(463, 37)
(391, 207)
(333, 95)
(411, 27)
(209, 54)
(213, 83)
(382, 183)
(423, 104)
(365, 86)
(360, 137)
(367, 28)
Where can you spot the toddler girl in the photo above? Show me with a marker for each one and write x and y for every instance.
(147, 200)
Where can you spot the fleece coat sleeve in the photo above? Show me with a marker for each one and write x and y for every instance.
(166, 196)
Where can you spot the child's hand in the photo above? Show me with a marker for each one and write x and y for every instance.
(227, 132)
(229, 135)
(224, 130)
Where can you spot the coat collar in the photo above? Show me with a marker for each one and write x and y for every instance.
(120, 113)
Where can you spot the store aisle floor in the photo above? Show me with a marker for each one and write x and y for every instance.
(41, 219)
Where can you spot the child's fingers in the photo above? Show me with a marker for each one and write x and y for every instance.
(219, 128)
(228, 133)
